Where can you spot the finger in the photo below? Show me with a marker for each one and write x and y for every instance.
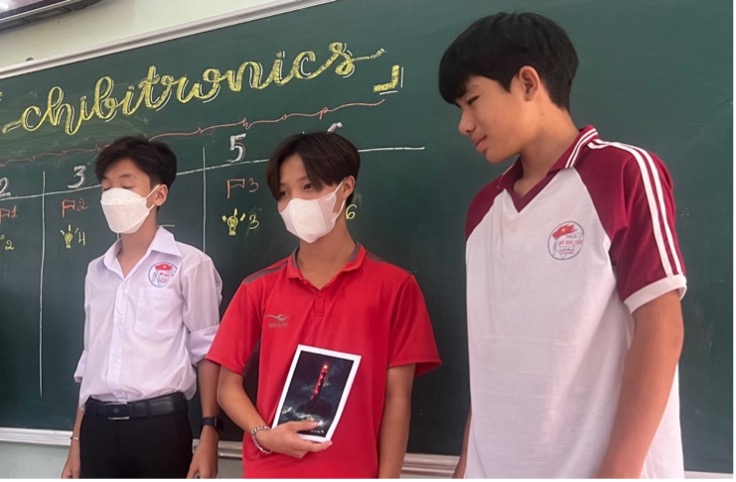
(302, 425)
(319, 447)
(192, 472)
(308, 446)
(206, 474)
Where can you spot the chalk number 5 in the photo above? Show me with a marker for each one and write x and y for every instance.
(237, 146)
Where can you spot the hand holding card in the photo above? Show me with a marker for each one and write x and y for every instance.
(317, 389)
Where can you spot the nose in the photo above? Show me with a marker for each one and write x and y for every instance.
(466, 124)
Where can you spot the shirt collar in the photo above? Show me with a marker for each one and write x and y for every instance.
(163, 242)
(354, 262)
(567, 160)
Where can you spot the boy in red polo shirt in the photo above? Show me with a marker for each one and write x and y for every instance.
(574, 274)
(331, 294)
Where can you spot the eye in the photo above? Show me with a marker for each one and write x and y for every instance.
(472, 99)
(307, 186)
(280, 195)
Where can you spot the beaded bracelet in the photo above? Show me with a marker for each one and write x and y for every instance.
(255, 441)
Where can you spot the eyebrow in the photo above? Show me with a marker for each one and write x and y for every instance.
(126, 177)
(297, 180)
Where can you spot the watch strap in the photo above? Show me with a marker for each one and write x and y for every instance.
(215, 422)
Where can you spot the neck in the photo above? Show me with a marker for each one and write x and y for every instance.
(136, 244)
(327, 253)
(556, 133)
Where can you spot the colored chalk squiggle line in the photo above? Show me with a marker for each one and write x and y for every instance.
(201, 130)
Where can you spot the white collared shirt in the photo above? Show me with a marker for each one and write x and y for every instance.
(144, 333)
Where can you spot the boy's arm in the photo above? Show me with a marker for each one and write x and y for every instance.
(282, 439)
(462, 461)
(649, 371)
(394, 433)
(204, 461)
(72, 466)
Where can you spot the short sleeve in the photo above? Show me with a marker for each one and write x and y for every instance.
(239, 332)
(202, 292)
(645, 250)
(412, 339)
(81, 367)
(82, 363)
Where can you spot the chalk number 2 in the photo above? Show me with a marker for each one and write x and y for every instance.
(4, 187)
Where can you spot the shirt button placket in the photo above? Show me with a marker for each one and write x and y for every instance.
(116, 342)
(319, 305)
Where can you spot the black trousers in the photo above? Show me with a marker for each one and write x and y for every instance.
(150, 447)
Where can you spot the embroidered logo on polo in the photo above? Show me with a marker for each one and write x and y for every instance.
(566, 240)
(277, 321)
(161, 273)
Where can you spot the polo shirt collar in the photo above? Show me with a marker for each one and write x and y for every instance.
(567, 160)
(354, 262)
(163, 242)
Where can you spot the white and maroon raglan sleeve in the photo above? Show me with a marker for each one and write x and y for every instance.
(480, 205)
(632, 191)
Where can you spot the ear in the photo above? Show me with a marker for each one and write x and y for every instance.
(529, 81)
(161, 195)
(348, 186)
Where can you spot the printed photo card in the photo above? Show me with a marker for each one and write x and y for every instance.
(317, 388)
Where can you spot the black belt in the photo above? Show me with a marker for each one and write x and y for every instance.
(152, 407)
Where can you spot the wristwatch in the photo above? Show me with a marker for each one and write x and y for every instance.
(215, 422)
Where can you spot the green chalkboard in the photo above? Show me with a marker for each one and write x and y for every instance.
(653, 73)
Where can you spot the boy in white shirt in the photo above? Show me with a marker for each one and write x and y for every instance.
(151, 312)
(574, 273)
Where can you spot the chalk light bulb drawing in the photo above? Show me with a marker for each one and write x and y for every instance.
(232, 222)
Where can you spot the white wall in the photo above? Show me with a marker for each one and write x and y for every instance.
(108, 21)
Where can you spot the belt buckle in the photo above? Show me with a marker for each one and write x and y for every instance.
(118, 411)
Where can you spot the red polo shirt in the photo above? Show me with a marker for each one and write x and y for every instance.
(370, 308)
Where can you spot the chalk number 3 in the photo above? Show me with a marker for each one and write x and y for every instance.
(79, 171)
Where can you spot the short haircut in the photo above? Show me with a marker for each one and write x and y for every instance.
(154, 158)
(328, 159)
(499, 45)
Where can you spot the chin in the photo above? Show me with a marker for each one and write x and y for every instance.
(496, 158)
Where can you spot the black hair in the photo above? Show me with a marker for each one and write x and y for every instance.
(328, 159)
(498, 45)
(154, 158)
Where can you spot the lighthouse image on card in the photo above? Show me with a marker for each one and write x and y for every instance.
(317, 388)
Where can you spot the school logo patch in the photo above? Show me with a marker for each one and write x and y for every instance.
(566, 240)
(161, 273)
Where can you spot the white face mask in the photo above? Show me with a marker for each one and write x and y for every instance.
(311, 219)
(124, 209)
